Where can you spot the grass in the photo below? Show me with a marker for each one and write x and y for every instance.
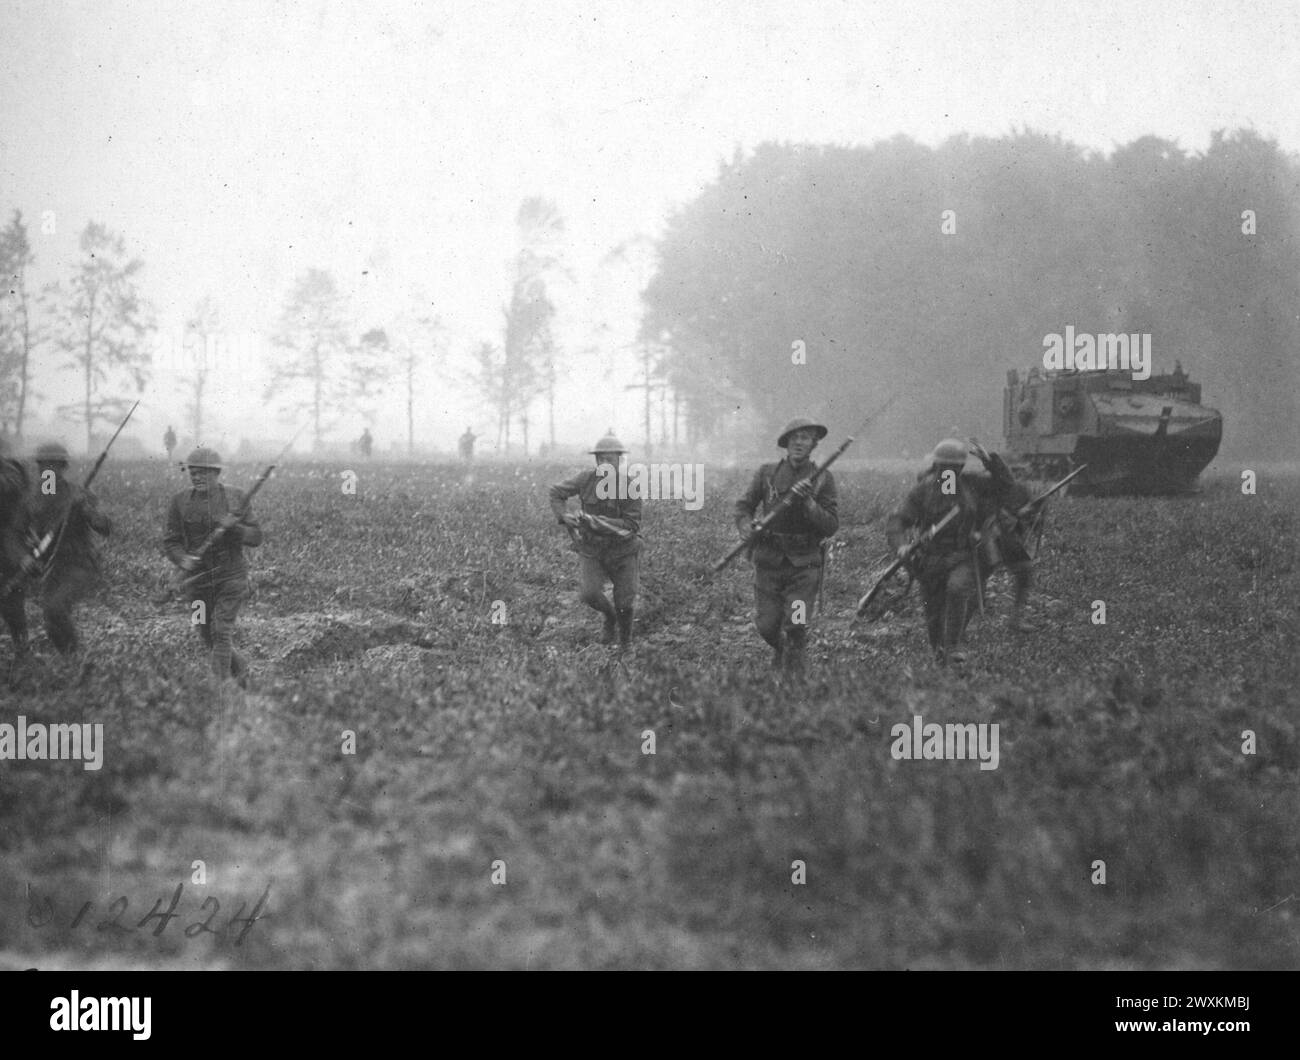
(520, 743)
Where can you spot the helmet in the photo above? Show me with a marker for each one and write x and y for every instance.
(949, 451)
(800, 423)
(204, 457)
(609, 444)
(52, 453)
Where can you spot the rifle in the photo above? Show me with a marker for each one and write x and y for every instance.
(1029, 506)
(788, 498)
(600, 525)
(1033, 507)
(904, 561)
(54, 536)
(182, 578)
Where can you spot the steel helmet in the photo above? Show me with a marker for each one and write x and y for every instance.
(800, 423)
(204, 457)
(52, 453)
(609, 444)
(949, 451)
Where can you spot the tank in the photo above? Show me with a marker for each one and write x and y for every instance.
(1137, 436)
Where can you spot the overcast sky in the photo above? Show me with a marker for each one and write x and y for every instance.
(236, 145)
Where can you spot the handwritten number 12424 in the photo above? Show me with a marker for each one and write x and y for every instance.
(40, 913)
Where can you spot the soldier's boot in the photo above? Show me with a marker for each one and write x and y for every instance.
(796, 653)
(1018, 624)
(778, 650)
(625, 615)
(611, 624)
(239, 669)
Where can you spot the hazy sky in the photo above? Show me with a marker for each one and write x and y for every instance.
(236, 145)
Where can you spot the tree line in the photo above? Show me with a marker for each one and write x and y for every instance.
(325, 366)
(931, 271)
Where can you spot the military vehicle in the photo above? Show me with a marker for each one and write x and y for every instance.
(1143, 436)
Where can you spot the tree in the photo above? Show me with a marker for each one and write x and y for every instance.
(844, 253)
(420, 335)
(494, 383)
(312, 331)
(530, 356)
(202, 333)
(369, 368)
(18, 337)
(102, 325)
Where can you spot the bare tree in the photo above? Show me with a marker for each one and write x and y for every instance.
(496, 388)
(313, 332)
(531, 356)
(422, 339)
(102, 325)
(18, 335)
(202, 333)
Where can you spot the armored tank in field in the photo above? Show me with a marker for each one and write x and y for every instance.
(1144, 436)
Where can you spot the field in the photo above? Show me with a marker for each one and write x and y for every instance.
(519, 742)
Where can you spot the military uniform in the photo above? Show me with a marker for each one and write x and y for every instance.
(13, 548)
(1003, 544)
(604, 554)
(72, 570)
(787, 555)
(220, 580)
(947, 569)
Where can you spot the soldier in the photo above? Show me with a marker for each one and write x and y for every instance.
(169, 442)
(16, 562)
(219, 579)
(72, 564)
(948, 571)
(787, 555)
(467, 445)
(1003, 539)
(606, 535)
(367, 443)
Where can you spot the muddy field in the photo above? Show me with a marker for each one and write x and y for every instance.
(513, 749)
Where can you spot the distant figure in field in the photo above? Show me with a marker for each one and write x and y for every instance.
(367, 443)
(467, 445)
(169, 442)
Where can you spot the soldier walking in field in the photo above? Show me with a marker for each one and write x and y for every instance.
(169, 442)
(16, 562)
(606, 534)
(1003, 537)
(367, 443)
(467, 445)
(954, 567)
(72, 570)
(218, 580)
(787, 556)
